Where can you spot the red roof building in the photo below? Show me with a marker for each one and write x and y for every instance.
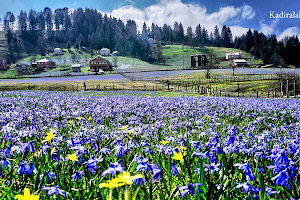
(100, 63)
(4, 65)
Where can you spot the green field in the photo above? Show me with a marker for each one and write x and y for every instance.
(180, 55)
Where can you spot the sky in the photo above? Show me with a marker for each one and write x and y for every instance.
(238, 15)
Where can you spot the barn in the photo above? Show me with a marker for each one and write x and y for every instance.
(99, 63)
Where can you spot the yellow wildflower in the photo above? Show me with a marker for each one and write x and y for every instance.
(164, 142)
(178, 156)
(73, 157)
(111, 184)
(127, 178)
(49, 137)
(52, 151)
(27, 196)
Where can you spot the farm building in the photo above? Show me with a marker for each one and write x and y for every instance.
(99, 63)
(4, 65)
(104, 52)
(76, 68)
(239, 63)
(58, 51)
(233, 55)
(43, 64)
(22, 67)
(115, 53)
(198, 60)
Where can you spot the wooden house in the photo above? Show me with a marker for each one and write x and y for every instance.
(76, 68)
(22, 67)
(198, 60)
(43, 64)
(100, 63)
(4, 65)
(233, 55)
(239, 63)
(104, 52)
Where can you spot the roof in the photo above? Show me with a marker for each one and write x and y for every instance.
(239, 60)
(24, 63)
(105, 49)
(234, 53)
(57, 49)
(76, 65)
(199, 55)
(3, 62)
(43, 60)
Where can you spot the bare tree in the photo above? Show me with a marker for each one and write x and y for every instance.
(115, 61)
(211, 57)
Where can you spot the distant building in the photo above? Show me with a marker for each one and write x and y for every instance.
(43, 64)
(58, 51)
(233, 55)
(239, 63)
(198, 60)
(76, 68)
(22, 67)
(115, 53)
(104, 52)
(99, 63)
(4, 65)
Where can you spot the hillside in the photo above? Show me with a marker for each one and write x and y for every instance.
(180, 55)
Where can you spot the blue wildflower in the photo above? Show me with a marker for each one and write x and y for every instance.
(30, 168)
(5, 162)
(113, 168)
(54, 190)
(248, 187)
(246, 169)
(157, 172)
(282, 178)
(77, 175)
(270, 191)
(190, 188)
(175, 170)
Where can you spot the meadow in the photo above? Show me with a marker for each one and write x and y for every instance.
(139, 145)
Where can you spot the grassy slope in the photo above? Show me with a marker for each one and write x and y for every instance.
(177, 55)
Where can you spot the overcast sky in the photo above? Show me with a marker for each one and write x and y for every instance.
(238, 15)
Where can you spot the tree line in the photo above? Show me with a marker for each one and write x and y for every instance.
(93, 30)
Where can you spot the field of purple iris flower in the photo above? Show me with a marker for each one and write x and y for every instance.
(89, 145)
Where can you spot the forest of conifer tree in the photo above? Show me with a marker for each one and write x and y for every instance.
(93, 30)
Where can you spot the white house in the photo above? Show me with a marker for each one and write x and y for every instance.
(104, 52)
(76, 68)
(239, 63)
(58, 51)
(233, 55)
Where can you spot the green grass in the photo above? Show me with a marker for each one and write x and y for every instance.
(8, 73)
(180, 55)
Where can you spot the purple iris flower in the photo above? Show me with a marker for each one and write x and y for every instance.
(212, 167)
(283, 178)
(30, 168)
(113, 168)
(21, 169)
(246, 169)
(143, 165)
(190, 188)
(77, 175)
(247, 187)
(105, 150)
(91, 165)
(49, 176)
(270, 191)
(148, 151)
(157, 172)
(54, 190)
(175, 169)
(5, 162)
(139, 181)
